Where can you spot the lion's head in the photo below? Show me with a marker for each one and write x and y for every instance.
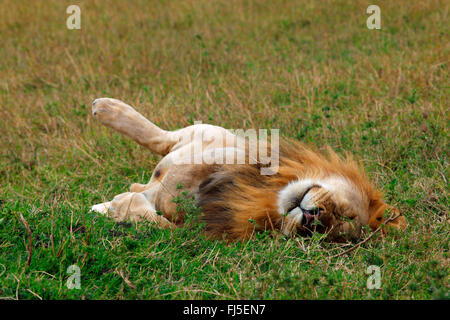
(331, 194)
(333, 204)
(310, 192)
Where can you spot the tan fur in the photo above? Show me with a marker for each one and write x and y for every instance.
(237, 200)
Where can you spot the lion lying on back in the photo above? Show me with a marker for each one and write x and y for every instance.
(307, 191)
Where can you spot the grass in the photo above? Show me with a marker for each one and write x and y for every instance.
(310, 68)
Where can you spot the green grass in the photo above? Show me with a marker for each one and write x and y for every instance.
(312, 69)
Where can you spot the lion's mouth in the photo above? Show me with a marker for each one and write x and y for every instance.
(304, 216)
(308, 217)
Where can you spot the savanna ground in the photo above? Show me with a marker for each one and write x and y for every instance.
(310, 68)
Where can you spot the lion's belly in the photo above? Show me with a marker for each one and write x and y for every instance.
(179, 171)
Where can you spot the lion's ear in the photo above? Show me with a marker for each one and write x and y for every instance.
(376, 211)
(380, 212)
(399, 222)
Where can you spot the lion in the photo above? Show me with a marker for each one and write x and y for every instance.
(308, 192)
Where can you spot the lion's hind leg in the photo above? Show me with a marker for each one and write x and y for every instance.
(132, 206)
(123, 118)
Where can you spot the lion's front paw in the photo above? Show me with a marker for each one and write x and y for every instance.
(101, 207)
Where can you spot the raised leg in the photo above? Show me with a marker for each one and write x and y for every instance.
(120, 116)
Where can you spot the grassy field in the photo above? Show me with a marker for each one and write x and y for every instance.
(310, 68)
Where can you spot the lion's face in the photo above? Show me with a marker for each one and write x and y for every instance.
(332, 204)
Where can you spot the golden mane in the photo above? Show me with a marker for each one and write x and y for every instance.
(237, 200)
